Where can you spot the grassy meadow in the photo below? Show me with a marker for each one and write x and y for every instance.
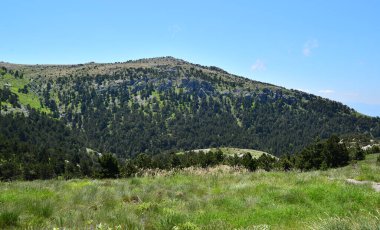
(218, 198)
(15, 84)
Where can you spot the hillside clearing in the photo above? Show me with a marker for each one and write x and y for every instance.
(231, 151)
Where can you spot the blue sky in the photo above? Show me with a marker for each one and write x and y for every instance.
(328, 48)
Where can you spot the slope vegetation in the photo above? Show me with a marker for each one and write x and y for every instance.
(165, 104)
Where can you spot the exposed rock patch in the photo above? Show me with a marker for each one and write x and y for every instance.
(375, 185)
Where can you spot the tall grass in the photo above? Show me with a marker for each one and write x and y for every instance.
(197, 199)
(8, 219)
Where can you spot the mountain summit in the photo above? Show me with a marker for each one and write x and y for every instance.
(166, 104)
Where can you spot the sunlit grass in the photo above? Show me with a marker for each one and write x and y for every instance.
(15, 84)
(197, 200)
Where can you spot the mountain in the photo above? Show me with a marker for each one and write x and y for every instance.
(168, 105)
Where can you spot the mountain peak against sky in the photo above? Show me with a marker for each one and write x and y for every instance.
(324, 51)
(164, 63)
(96, 67)
(120, 107)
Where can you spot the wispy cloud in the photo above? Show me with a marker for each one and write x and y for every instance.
(309, 46)
(326, 91)
(259, 65)
(175, 29)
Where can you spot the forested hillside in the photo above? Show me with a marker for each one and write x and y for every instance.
(38, 147)
(167, 105)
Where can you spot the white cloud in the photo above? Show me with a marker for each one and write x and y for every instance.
(259, 65)
(326, 91)
(309, 47)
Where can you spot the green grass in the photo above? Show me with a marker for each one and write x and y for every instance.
(25, 99)
(198, 200)
(366, 170)
(8, 219)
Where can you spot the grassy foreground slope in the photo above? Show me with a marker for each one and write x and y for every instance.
(193, 199)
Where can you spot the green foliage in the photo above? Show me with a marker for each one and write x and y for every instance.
(19, 86)
(7, 95)
(189, 159)
(267, 162)
(9, 219)
(165, 108)
(358, 153)
(145, 113)
(199, 200)
(323, 155)
(143, 161)
(248, 162)
(336, 153)
(286, 163)
(38, 147)
(129, 169)
(373, 149)
(109, 166)
(43, 209)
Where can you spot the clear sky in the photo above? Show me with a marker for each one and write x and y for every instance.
(329, 48)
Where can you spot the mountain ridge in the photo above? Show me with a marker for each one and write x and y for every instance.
(136, 63)
(158, 62)
(168, 104)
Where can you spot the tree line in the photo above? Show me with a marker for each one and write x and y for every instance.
(320, 155)
(23, 156)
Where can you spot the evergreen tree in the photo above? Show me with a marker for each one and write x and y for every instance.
(248, 162)
(109, 166)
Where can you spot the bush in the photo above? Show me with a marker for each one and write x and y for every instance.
(285, 163)
(248, 162)
(110, 166)
(266, 162)
(358, 153)
(375, 149)
(323, 155)
(129, 169)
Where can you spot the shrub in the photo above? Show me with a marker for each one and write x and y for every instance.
(129, 169)
(110, 166)
(323, 155)
(248, 162)
(358, 153)
(266, 162)
(376, 149)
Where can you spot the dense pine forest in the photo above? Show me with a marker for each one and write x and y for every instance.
(58, 120)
